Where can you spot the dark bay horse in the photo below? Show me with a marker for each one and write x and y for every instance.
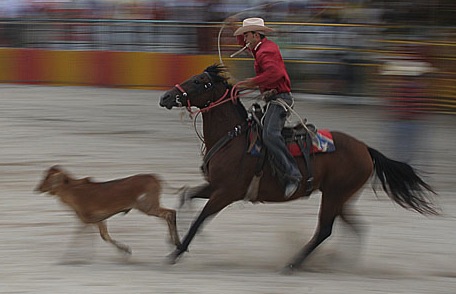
(229, 171)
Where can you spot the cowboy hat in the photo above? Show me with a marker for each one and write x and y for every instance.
(406, 68)
(253, 24)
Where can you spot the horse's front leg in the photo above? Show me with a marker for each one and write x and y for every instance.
(216, 203)
(203, 191)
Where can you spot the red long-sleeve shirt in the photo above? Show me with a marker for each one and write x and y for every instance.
(269, 67)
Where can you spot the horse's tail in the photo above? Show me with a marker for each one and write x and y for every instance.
(402, 184)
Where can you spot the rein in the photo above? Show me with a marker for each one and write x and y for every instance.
(219, 101)
(237, 130)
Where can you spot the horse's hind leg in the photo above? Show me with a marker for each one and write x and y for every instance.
(348, 217)
(105, 236)
(354, 245)
(328, 213)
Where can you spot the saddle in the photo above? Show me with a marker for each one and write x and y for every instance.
(299, 135)
(302, 140)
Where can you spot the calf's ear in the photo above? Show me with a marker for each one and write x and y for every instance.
(58, 179)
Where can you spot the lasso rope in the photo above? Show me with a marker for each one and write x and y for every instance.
(249, 9)
(236, 15)
(234, 93)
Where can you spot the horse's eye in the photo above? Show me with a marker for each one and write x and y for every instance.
(197, 82)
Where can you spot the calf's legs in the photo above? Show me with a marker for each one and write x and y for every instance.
(79, 250)
(105, 235)
(150, 205)
(169, 215)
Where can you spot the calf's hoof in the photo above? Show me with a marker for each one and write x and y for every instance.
(125, 249)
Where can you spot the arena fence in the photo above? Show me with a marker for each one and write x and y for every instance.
(342, 59)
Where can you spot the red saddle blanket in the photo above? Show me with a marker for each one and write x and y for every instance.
(323, 142)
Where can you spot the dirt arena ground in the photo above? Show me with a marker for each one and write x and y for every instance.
(110, 133)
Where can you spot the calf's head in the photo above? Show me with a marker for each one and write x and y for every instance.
(53, 179)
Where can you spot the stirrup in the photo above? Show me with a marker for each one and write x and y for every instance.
(309, 186)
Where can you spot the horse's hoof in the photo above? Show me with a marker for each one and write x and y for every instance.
(288, 270)
(173, 257)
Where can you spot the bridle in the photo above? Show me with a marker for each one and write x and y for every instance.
(234, 95)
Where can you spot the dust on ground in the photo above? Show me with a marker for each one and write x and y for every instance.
(110, 133)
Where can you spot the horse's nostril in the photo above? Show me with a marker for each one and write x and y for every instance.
(166, 101)
(163, 98)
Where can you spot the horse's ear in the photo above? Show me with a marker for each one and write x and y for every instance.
(212, 68)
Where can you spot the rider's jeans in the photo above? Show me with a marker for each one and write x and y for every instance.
(273, 123)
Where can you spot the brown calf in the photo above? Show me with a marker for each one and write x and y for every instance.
(95, 202)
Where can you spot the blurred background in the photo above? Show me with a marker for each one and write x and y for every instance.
(349, 48)
(386, 66)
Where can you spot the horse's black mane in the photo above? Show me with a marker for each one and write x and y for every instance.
(216, 72)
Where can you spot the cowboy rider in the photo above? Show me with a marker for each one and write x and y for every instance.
(271, 74)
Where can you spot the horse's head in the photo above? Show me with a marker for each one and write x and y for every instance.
(198, 91)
